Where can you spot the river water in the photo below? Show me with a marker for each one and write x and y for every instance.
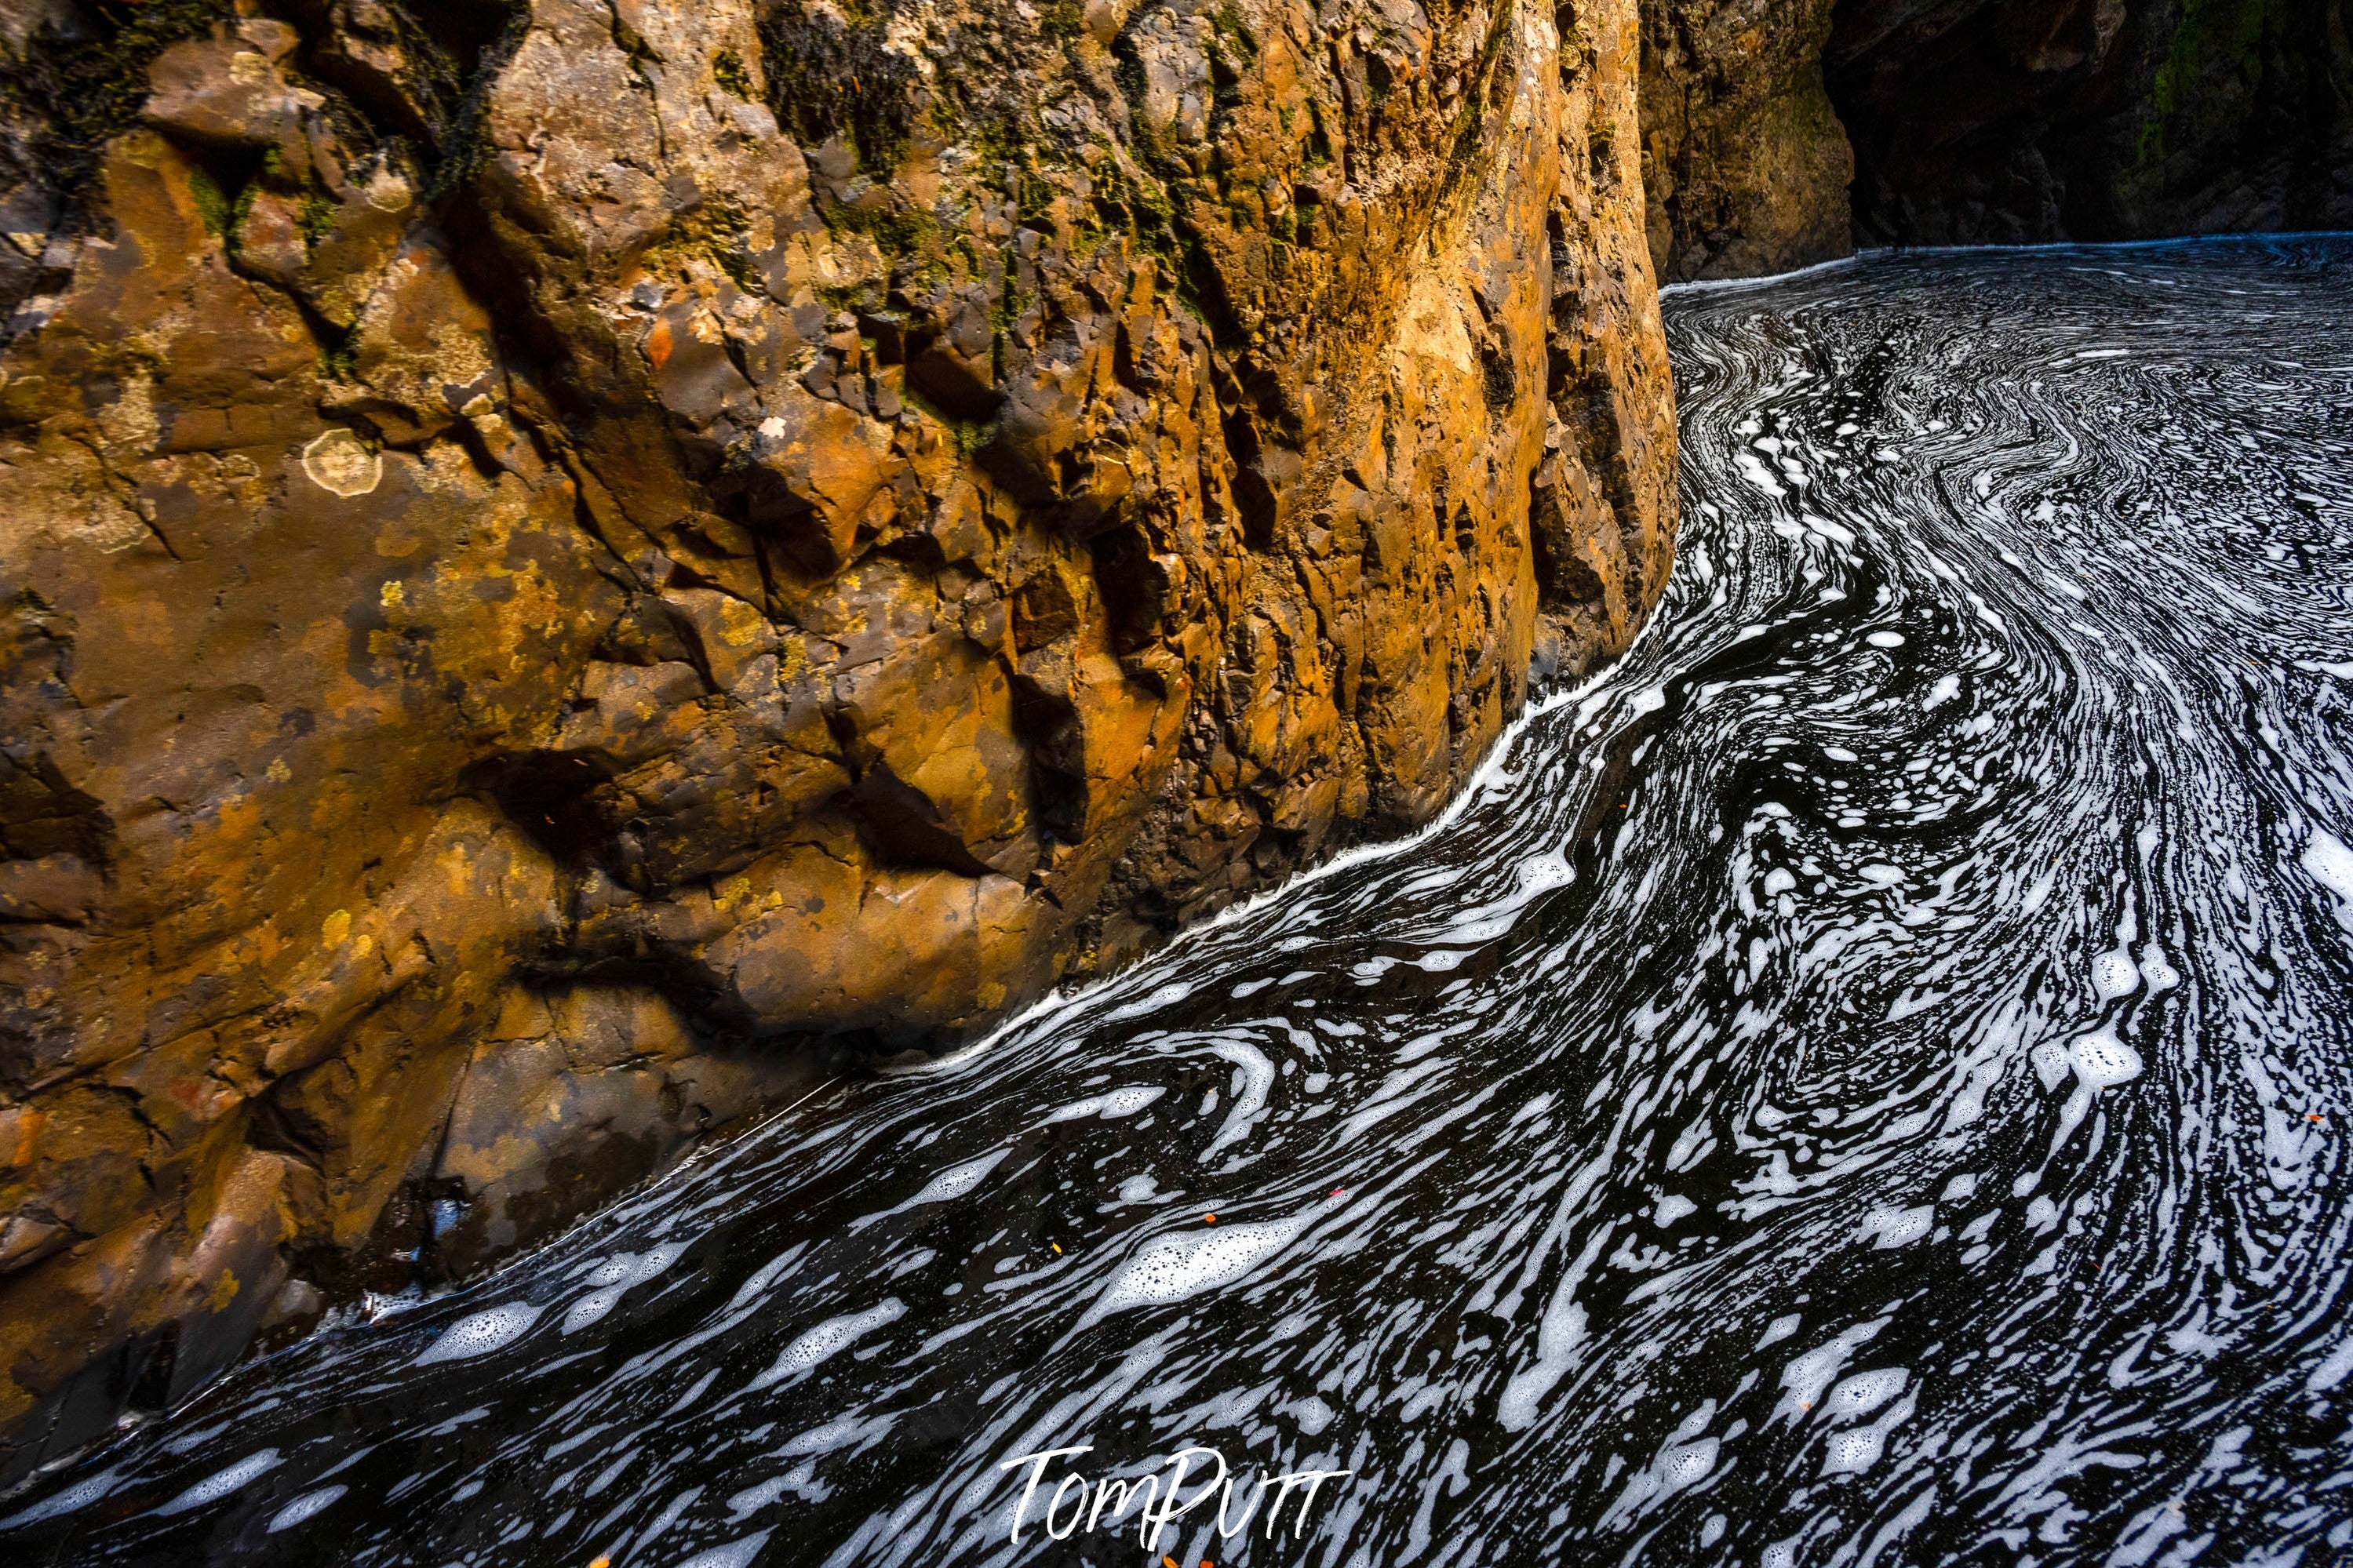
(1864, 1080)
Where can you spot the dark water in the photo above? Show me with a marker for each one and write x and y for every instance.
(1865, 1081)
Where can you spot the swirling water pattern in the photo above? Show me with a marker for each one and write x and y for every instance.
(1863, 1082)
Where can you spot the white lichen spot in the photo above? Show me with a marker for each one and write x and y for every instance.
(339, 461)
(387, 192)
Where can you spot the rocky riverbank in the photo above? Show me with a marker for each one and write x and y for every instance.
(572, 567)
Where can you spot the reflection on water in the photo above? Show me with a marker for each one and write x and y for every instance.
(1865, 1081)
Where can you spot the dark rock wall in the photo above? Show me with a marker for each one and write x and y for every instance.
(2005, 121)
(1987, 121)
(1743, 162)
(569, 566)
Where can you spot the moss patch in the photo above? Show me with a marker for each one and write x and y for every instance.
(825, 80)
(713, 231)
(2209, 32)
(727, 70)
(83, 90)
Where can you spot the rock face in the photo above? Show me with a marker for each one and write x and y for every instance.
(570, 566)
(1746, 163)
(1986, 121)
(2019, 120)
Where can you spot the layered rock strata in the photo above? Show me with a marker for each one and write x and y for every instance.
(572, 567)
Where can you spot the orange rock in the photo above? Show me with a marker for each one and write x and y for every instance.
(517, 659)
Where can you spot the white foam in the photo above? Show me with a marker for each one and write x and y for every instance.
(81, 1495)
(590, 1308)
(752, 1500)
(1752, 468)
(734, 1555)
(1851, 1452)
(1672, 1208)
(1557, 1336)
(1680, 1465)
(1257, 1074)
(2113, 974)
(628, 1269)
(837, 1433)
(1900, 1228)
(1863, 1393)
(1137, 1189)
(481, 1332)
(221, 1483)
(1541, 873)
(2333, 1370)
(1808, 1376)
(613, 1270)
(957, 1180)
(1686, 1463)
(1779, 1329)
(829, 1339)
(615, 1276)
(2154, 972)
(304, 1507)
(2103, 1061)
(766, 1275)
(1120, 1102)
(1171, 1267)
(1160, 996)
(1885, 639)
(2331, 865)
(1110, 1107)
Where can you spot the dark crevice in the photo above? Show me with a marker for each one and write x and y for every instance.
(2005, 121)
(547, 796)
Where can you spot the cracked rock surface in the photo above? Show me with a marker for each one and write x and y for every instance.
(571, 567)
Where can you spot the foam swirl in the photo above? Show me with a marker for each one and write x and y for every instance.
(1864, 1080)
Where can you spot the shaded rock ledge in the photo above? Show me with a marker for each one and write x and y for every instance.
(572, 567)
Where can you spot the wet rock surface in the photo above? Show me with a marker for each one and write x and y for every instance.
(570, 569)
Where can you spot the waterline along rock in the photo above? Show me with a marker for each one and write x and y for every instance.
(569, 567)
